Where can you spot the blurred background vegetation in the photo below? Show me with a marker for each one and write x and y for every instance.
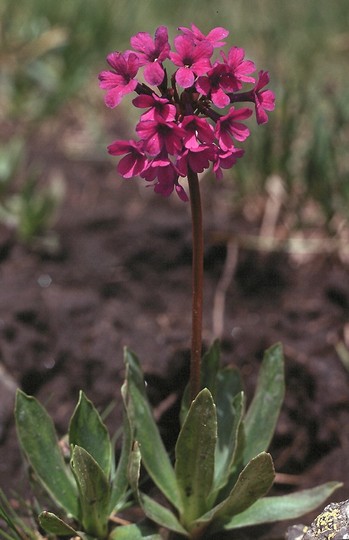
(51, 53)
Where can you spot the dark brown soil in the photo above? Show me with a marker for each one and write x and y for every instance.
(121, 276)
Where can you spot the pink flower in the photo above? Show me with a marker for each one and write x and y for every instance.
(179, 129)
(197, 130)
(265, 99)
(159, 108)
(212, 85)
(238, 70)
(212, 37)
(193, 59)
(226, 160)
(151, 53)
(167, 175)
(159, 134)
(134, 161)
(197, 159)
(121, 81)
(227, 127)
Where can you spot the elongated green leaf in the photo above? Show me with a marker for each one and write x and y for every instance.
(230, 411)
(253, 482)
(153, 510)
(210, 367)
(39, 442)
(133, 532)
(291, 506)
(195, 450)
(154, 455)
(87, 430)
(120, 480)
(161, 515)
(209, 372)
(262, 415)
(54, 525)
(94, 492)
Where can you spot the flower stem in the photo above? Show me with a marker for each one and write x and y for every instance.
(197, 282)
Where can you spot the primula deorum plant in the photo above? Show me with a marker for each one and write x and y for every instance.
(191, 121)
(221, 468)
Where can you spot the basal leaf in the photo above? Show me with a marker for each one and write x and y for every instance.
(262, 415)
(87, 430)
(253, 483)
(210, 367)
(153, 510)
(54, 525)
(230, 403)
(145, 431)
(39, 442)
(209, 371)
(291, 506)
(94, 492)
(120, 480)
(133, 532)
(195, 450)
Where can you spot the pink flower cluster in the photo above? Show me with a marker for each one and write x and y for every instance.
(180, 129)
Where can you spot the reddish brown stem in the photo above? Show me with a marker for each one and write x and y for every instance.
(197, 282)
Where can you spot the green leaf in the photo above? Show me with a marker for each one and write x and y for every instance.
(94, 492)
(210, 367)
(161, 515)
(39, 442)
(230, 403)
(145, 431)
(133, 532)
(195, 450)
(253, 483)
(87, 430)
(54, 525)
(262, 415)
(209, 372)
(291, 506)
(119, 483)
(153, 510)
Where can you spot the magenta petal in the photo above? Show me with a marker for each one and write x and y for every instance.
(203, 85)
(117, 148)
(113, 97)
(108, 79)
(261, 115)
(220, 99)
(268, 100)
(153, 145)
(154, 73)
(143, 101)
(126, 166)
(216, 35)
(185, 77)
(142, 42)
(181, 193)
